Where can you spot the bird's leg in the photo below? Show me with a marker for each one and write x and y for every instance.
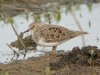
(53, 52)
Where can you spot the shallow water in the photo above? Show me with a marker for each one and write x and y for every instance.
(7, 34)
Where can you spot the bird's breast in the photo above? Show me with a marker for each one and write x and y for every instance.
(35, 37)
(41, 42)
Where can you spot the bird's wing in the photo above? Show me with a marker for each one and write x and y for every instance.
(53, 33)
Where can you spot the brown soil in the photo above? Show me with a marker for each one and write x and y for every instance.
(75, 62)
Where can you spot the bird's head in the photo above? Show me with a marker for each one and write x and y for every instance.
(33, 26)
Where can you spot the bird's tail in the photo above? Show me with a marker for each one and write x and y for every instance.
(81, 33)
(77, 33)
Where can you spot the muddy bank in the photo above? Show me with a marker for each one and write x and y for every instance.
(86, 56)
(84, 61)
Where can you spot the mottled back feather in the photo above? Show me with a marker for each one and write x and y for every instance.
(53, 33)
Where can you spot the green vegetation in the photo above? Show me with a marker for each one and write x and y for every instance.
(14, 7)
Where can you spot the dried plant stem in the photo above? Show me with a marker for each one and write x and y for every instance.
(11, 22)
(11, 48)
(14, 52)
(12, 7)
(19, 39)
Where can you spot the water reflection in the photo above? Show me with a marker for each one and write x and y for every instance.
(88, 20)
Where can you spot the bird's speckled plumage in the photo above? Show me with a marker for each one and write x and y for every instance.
(51, 35)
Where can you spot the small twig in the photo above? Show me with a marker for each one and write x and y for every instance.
(11, 48)
(17, 36)
(14, 52)
(19, 40)
(12, 7)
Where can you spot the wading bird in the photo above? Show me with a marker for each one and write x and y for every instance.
(51, 35)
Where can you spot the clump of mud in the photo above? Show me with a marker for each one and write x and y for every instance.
(86, 56)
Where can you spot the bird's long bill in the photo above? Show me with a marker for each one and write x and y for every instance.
(26, 31)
